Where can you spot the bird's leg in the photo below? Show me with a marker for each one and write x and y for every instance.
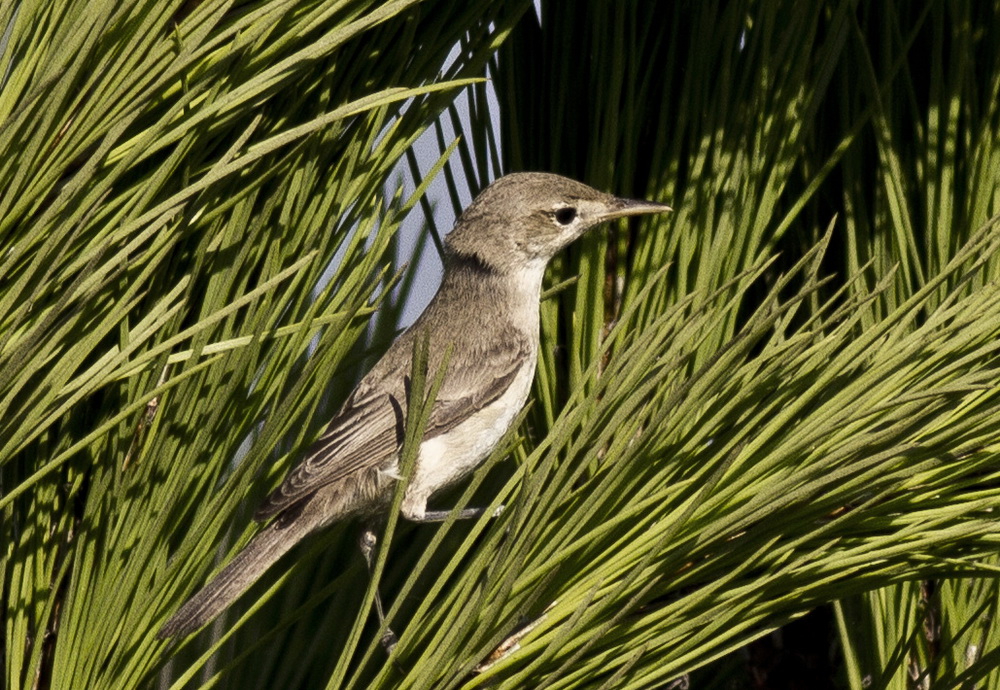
(442, 515)
(368, 541)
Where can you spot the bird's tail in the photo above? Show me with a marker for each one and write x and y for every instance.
(245, 568)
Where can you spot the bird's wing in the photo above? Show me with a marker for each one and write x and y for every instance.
(364, 434)
(465, 391)
(368, 431)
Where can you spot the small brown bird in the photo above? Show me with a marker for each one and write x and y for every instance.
(486, 312)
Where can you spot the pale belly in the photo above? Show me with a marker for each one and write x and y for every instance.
(450, 457)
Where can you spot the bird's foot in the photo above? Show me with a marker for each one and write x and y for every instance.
(389, 641)
(464, 514)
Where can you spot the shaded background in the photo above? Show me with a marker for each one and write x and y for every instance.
(202, 220)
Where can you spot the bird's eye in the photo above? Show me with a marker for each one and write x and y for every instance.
(566, 215)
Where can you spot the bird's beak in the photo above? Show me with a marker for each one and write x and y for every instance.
(620, 208)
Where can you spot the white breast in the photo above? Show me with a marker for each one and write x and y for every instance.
(448, 458)
(452, 456)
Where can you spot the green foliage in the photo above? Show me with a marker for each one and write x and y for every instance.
(178, 177)
(780, 396)
(762, 123)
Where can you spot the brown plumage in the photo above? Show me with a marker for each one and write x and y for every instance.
(486, 311)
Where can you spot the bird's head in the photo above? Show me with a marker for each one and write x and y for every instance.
(527, 217)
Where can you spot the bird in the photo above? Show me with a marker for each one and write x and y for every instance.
(484, 320)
